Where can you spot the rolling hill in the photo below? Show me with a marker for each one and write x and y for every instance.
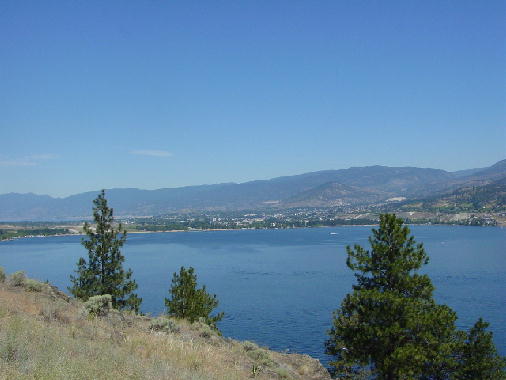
(471, 197)
(353, 186)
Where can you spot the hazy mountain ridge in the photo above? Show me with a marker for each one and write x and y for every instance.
(353, 186)
(334, 194)
(489, 196)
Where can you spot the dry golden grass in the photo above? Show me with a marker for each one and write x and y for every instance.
(45, 335)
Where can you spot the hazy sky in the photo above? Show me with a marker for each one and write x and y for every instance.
(150, 94)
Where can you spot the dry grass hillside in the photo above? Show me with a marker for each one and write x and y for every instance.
(46, 335)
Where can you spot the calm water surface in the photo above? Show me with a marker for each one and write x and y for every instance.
(279, 287)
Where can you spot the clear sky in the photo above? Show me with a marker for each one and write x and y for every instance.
(150, 94)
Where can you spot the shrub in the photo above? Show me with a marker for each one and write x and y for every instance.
(303, 370)
(163, 324)
(2, 274)
(249, 346)
(258, 354)
(261, 357)
(205, 331)
(282, 373)
(99, 305)
(17, 278)
(33, 285)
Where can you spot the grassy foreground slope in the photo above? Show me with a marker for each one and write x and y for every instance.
(44, 334)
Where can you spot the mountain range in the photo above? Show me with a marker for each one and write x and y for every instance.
(356, 186)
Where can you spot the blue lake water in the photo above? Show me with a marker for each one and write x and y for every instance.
(279, 287)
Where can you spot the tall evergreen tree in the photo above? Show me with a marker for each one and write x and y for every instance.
(478, 357)
(103, 272)
(191, 303)
(390, 321)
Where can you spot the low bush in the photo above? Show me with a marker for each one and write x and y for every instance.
(204, 330)
(34, 285)
(261, 357)
(303, 370)
(282, 373)
(249, 346)
(163, 324)
(2, 275)
(99, 305)
(17, 278)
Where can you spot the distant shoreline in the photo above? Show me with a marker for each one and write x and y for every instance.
(247, 229)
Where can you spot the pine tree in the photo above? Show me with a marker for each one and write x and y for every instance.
(390, 321)
(191, 303)
(103, 273)
(478, 357)
(84, 282)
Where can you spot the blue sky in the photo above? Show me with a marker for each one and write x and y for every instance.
(150, 94)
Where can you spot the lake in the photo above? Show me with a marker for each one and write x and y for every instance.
(279, 287)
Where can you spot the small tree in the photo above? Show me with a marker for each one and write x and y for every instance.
(103, 273)
(191, 303)
(390, 321)
(478, 358)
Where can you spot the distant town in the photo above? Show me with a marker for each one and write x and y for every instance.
(303, 217)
